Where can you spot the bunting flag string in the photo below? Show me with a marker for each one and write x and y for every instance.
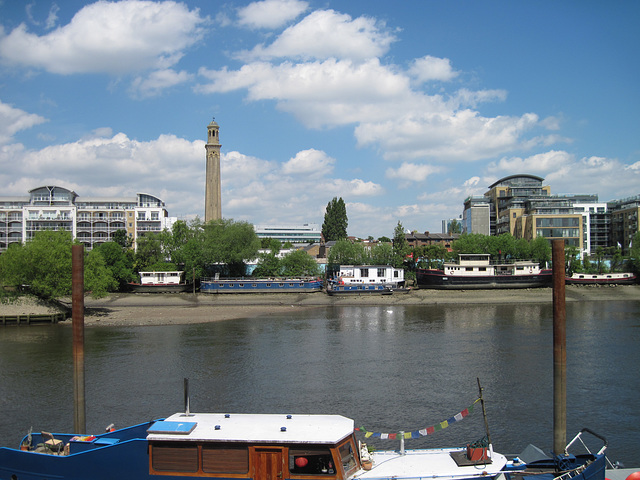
(423, 431)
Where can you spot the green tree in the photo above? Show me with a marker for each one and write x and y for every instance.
(299, 263)
(617, 260)
(335, 222)
(541, 251)
(634, 253)
(149, 251)
(272, 244)
(268, 265)
(121, 238)
(44, 264)
(98, 278)
(454, 227)
(382, 254)
(572, 260)
(119, 260)
(432, 255)
(400, 246)
(345, 252)
(523, 249)
(599, 256)
(231, 243)
(471, 243)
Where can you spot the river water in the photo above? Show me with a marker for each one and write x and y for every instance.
(389, 368)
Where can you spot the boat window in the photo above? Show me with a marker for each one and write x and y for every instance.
(349, 463)
(311, 461)
(174, 458)
(223, 459)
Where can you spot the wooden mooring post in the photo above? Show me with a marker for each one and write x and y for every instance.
(77, 319)
(559, 349)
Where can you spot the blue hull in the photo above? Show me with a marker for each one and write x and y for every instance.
(359, 289)
(255, 285)
(116, 455)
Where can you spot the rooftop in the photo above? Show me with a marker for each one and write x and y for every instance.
(254, 428)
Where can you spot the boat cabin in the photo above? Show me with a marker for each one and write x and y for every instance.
(368, 274)
(161, 278)
(258, 447)
(479, 264)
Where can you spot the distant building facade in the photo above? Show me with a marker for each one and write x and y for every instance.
(624, 221)
(522, 206)
(305, 233)
(91, 220)
(476, 217)
(415, 239)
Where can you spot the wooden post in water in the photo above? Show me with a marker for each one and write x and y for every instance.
(77, 319)
(559, 350)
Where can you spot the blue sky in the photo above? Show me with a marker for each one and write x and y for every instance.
(403, 109)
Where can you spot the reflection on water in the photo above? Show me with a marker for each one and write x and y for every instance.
(389, 368)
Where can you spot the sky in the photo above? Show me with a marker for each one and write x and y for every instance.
(403, 109)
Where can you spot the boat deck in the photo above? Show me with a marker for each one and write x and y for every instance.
(429, 463)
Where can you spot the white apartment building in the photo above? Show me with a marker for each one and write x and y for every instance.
(91, 220)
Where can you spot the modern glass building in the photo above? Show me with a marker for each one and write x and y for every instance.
(306, 233)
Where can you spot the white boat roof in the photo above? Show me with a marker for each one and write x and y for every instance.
(252, 428)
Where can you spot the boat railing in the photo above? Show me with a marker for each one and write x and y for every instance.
(578, 438)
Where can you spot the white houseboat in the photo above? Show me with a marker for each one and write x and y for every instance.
(160, 282)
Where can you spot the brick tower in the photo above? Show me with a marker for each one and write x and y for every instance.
(212, 196)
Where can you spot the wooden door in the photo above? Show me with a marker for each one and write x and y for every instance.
(269, 464)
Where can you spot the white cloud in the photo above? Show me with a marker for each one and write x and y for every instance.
(351, 188)
(13, 120)
(270, 13)
(52, 18)
(309, 162)
(328, 93)
(428, 69)
(157, 82)
(337, 89)
(411, 172)
(327, 34)
(109, 37)
(106, 164)
(539, 163)
(567, 175)
(462, 135)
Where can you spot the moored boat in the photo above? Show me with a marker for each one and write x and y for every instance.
(601, 279)
(475, 271)
(358, 289)
(366, 279)
(265, 447)
(161, 282)
(260, 285)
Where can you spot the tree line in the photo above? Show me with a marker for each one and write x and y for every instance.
(43, 263)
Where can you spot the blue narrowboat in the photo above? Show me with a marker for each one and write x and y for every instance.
(260, 285)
